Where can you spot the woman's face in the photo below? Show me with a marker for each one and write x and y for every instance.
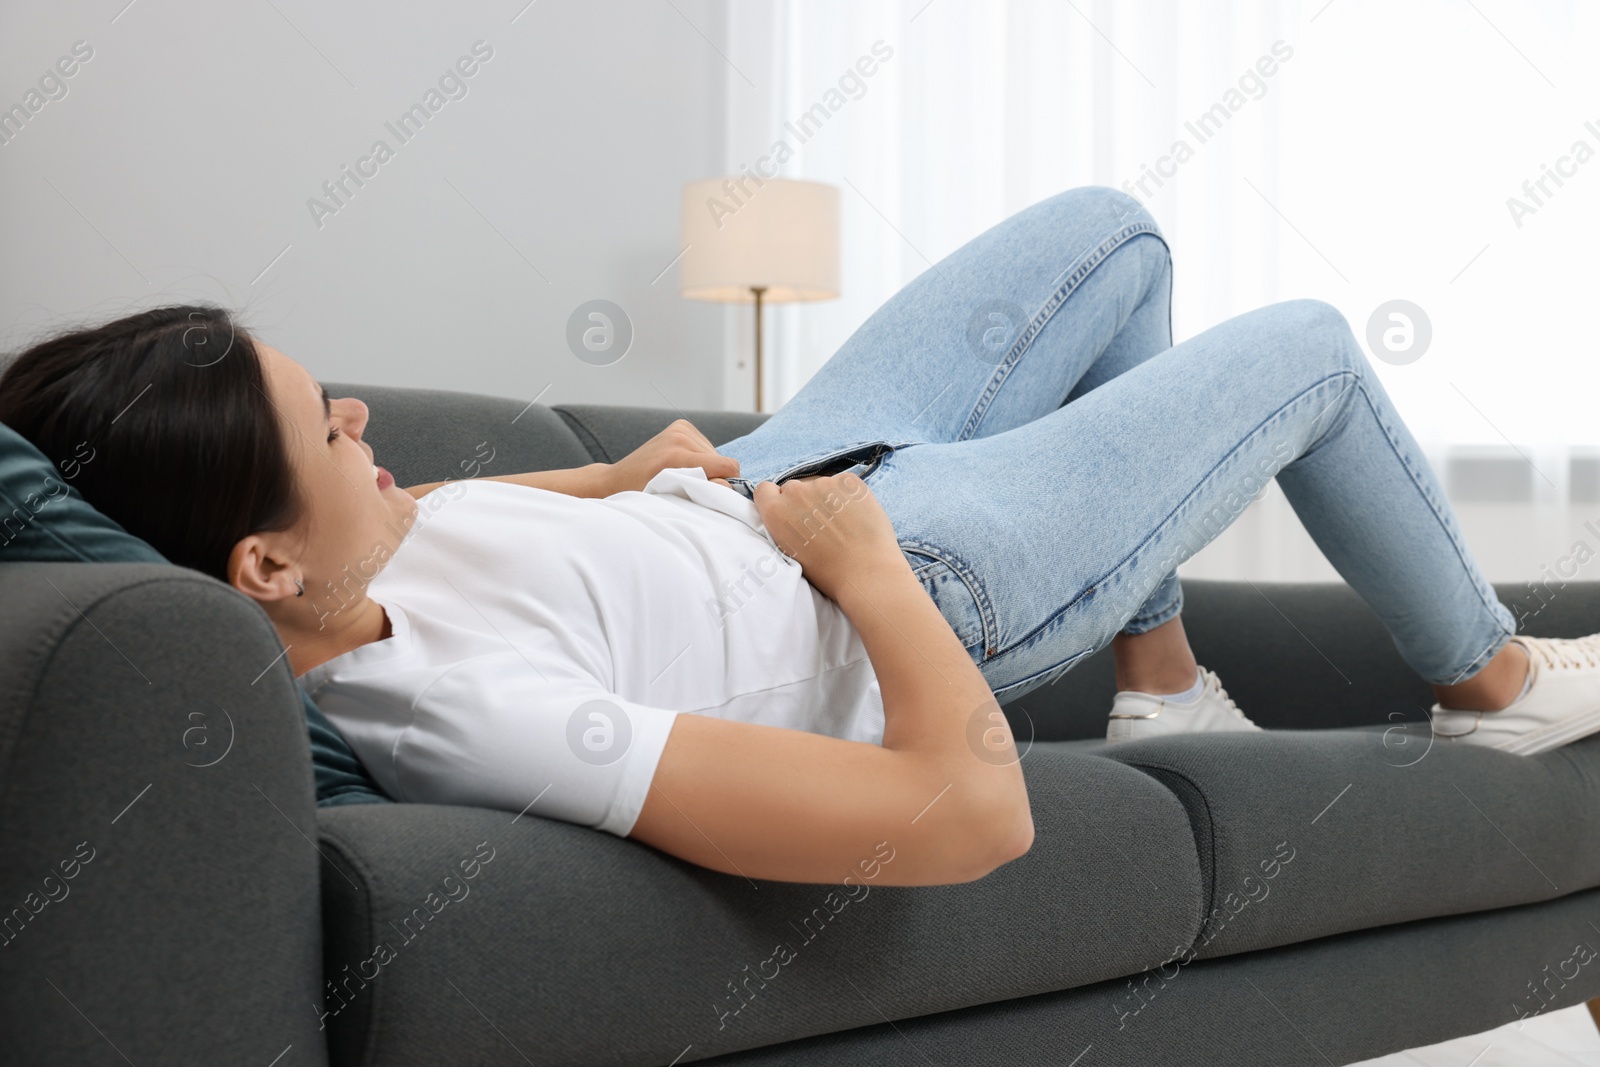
(355, 516)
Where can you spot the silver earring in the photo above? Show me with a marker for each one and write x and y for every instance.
(299, 587)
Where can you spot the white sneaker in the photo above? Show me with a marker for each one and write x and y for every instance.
(1561, 705)
(1140, 715)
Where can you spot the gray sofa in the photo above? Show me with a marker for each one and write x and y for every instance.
(1335, 889)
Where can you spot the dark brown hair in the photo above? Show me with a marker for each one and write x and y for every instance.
(188, 453)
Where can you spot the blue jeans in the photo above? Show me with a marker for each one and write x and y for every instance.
(1048, 457)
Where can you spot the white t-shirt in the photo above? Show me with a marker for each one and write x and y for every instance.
(544, 644)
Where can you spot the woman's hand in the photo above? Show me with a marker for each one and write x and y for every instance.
(833, 527)
(679, 445)
(801, 807)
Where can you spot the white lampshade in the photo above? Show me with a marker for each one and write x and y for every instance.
(781, 236)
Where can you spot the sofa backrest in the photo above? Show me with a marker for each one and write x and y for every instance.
(432, 435)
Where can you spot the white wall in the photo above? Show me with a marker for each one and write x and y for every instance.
(180, 160)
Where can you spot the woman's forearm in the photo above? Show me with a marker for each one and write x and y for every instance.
(767, 802)
(943, 790)
(936, 703)
(929, 683)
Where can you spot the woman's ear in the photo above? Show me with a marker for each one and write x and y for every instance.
(257, 571)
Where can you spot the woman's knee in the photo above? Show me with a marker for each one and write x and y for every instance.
(1101, 205)
(1317, 333)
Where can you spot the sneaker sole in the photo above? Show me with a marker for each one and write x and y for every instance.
(1553, 736)
(1186, 733)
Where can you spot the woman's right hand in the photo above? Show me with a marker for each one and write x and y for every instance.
(832, 526)
(783, 804)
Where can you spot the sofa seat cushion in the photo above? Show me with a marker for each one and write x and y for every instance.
(454, 934)
(1337, 1000)
(1303, 834)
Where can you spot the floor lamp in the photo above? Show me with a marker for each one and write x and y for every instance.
(758, 241)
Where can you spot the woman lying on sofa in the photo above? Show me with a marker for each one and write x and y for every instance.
(769, 658)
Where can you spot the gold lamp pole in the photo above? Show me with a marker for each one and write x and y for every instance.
(769, 241)
(758, 290)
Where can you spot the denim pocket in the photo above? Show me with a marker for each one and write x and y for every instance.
(955, 598)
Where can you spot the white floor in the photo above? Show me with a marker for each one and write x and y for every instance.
(1560, 1039)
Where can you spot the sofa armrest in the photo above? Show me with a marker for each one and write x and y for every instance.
(158, 884)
